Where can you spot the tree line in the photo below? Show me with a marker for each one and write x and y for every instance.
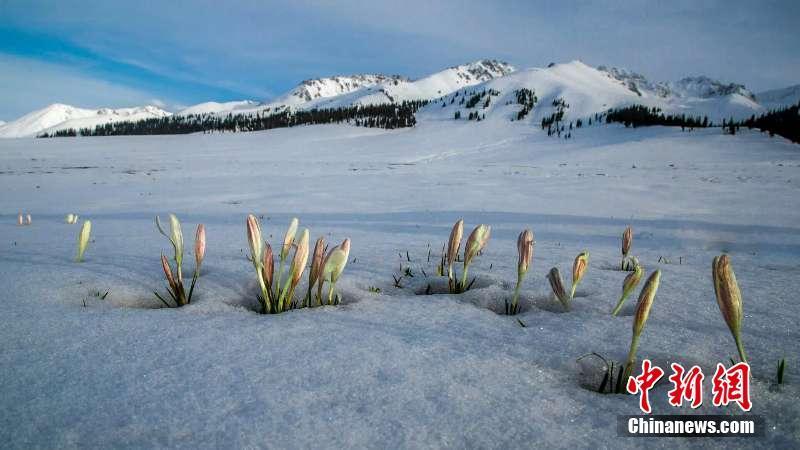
(783, 122)
(642, 116)
(388, 116)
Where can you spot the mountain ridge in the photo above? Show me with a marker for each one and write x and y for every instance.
(588, 90)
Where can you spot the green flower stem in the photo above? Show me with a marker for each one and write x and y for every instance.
(330, 292)
(631, 358)
(463, 279)
(280, 273)
(740, 347)
(619, 306)
(514, 300)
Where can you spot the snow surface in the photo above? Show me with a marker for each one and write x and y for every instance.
(395, 369)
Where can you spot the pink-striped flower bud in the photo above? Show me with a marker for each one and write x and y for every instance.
(254, 238)
(268, 268)
(627, 240)
(200, 244)
(525, 250)
(454, 244)
(316, 261)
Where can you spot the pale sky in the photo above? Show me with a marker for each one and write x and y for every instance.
(174, 53)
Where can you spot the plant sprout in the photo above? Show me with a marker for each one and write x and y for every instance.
(83, 239)
(525, 249)
(729, 299)
(332, 269)
(578, 270)
(627, 241)
(646, 297)
(277, 295)
(554, 277)
(317, 261)
(175, 287)
(475, 243)
(630, 283)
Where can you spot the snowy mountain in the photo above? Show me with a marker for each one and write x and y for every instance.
(374, 89)
(574, 89)
(320, 88)
(427, 88)
(697, 87)
(579, 91)
(215, 107)
(779, 98)
(637, 83)
(61, 117)
(704, 87)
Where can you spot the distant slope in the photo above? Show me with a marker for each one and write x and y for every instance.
(581, 91)
(779, 98)
(427, 88)
(215, 107)
(61, 117)
(322, 88)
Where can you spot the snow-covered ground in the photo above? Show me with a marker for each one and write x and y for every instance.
(393, 369)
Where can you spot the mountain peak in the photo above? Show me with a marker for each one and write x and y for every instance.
(483, 70)
(779, 98)
(705, 87)
(61, 116)
(317, 88)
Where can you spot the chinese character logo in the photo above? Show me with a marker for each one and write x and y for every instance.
(643, 383)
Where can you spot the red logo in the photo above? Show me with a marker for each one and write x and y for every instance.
(732, 386)
(686, 386)
(643, 383)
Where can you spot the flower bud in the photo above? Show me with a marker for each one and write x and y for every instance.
(316, 261)
(168, 272)
(28, 219)
(20, 219)
(288, 238)
(69, 218)
(176, 236)
(729, 298)
(578, 269)
(300, 258)
(454, 243)
(83, 239)
(345, 246)
(268, 268)
(254, 238)
(525, 249)
(646, 297)
(476, 242)
(628, 285)
(627, 239)
(558, 286)
(200, 245)
(336, 261)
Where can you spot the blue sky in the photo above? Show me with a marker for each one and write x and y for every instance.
(174, 53)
